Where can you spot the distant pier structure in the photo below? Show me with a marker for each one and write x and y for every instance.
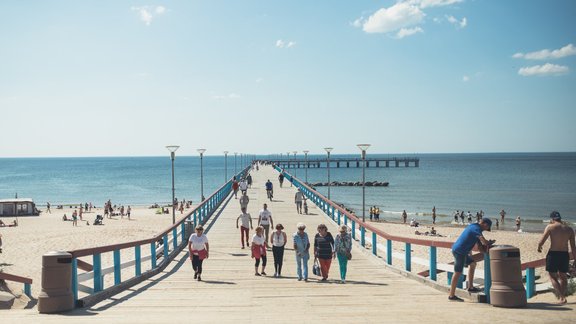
(377, 162)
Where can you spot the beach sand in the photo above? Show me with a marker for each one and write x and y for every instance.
(36, 235)
(24, 245)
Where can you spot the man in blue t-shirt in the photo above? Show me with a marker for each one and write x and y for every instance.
(471, 236)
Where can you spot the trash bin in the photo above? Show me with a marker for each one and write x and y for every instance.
(56, 295)
(189, 227)
(507, 289)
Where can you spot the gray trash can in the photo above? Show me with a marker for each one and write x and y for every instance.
(507, 289)
(56, 295)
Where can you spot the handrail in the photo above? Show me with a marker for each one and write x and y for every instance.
(333, 210)
(25, 280)
(120, 246)
(173, 239)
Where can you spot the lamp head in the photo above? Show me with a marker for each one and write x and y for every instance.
(328, 149)
(225, 152)
(172, 148)
(201, 151)
(363, 147)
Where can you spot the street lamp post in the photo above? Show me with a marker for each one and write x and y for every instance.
(225, 166)
(328, 150)
(235, 155)
(363, 148)
(295, 165)
(306, 161)
(172, 149)
(201, 151)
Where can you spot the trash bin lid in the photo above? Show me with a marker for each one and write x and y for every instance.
(504, 251)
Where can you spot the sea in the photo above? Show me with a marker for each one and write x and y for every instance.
(529, 185)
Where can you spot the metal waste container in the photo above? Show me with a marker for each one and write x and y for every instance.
(507, 289)
(56, 295)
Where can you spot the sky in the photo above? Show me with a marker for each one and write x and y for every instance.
(127, 78)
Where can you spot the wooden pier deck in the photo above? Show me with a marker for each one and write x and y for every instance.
(230, 293)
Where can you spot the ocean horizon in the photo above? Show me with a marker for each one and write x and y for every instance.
(529, 185)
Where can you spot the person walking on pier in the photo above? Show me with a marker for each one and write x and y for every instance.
(244, 229)
(198, 249)
(243, 186)
(471, 236)
(265, 220)
(259, 250)
(324, 249)
(269, 190)
(281, 179)
(302, 250)
(244, 200)
(343, 250)
(298, 199)
(235, 186)
(249, 180)
(278, 241)
(558, 259)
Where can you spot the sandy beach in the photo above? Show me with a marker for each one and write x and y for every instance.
(23, 246)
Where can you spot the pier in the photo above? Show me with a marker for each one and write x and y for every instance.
(299, 163)
(376, 289)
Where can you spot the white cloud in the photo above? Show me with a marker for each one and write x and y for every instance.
(148, 13)
(544, 70)
(434, 3)
(546, 54)
(230, 96)
(404, 32)
(400, 15)
(458, 23)
(465, 78)
(285, 44)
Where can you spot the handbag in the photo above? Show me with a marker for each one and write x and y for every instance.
(316, 268)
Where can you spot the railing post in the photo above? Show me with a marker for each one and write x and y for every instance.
(389, 252)
(353, 230)
(345, 219)
(183, 231)
(339, 217)
(138, 259)
(433, 263)
(153, 254)
(175, 238)
(530, 282)
(362, 238)
(165, 244)
(75, 279)
(408, 257)
(487, 277)
(28, 291)
(195, 218)
(374, 244)
(97, 268)
(117, 267)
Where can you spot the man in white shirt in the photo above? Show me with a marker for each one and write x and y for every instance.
(244, 229)
(244, 200)
(243, 186)
(265, 220)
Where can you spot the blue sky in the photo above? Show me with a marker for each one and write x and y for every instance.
(116, 78)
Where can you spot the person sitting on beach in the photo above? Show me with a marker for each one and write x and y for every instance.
(433, 231)
(414, 223)
(64, 218)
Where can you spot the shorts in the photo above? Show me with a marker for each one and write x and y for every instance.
(557, 261)
(460, 261)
